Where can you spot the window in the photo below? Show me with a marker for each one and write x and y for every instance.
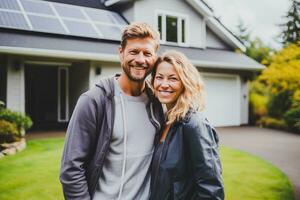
(172, 28)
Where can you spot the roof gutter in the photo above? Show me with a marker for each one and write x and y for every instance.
(201, 7)
(59, 54)
(111, 2)
(224, 65)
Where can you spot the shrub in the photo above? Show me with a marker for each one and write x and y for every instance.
(272, 123)
(8, 132)
(22, 121)
(280, 103)
(296, 99)
(257, 107)
(2, 105)
(292, 119)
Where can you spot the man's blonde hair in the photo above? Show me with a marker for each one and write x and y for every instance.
(139, 30)
(192, 96)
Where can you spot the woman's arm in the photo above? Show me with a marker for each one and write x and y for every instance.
(202, 144)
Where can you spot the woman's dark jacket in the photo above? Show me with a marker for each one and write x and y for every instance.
(189, 166)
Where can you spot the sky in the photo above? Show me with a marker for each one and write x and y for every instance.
(261, 16)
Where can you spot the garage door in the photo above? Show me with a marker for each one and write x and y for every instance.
(222, 99)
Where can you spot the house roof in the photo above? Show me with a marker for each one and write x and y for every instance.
(37, 44)
(86, 3)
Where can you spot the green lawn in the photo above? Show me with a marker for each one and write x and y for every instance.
(249, 177)
(33, 174)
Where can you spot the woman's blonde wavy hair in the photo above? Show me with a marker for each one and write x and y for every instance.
(192, 96)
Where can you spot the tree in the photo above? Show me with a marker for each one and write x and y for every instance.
(291, 28)
(255, 48)
(281, 88)
(284, 71)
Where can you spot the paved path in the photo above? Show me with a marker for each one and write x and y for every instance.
(280, 148)
(44, 134)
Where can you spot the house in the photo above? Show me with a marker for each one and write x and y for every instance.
(53, 50)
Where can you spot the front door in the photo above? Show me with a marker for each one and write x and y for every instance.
(46, 90)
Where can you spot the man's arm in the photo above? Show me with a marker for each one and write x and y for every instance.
(79, 144)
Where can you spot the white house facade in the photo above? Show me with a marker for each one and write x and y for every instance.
(53, 50)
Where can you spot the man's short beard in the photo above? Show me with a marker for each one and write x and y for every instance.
(130, 77)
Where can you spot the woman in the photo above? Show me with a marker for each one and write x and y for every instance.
(186, 162)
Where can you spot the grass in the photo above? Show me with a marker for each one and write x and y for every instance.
(249, 177)
(33, 174)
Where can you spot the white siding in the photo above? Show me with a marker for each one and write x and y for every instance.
(107, 70)
(16, 85)
(198, 35)
(213, 41)
(145, 11)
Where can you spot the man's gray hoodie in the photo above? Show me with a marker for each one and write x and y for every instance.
(89, 135)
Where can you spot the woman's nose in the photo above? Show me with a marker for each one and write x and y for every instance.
(164, 84)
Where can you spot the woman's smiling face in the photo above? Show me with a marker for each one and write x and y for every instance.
(167, 84)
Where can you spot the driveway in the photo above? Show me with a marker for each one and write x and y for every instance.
(280, 148)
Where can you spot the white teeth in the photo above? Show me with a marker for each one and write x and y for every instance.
(165, 92)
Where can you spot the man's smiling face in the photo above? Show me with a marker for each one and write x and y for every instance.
(138, 58)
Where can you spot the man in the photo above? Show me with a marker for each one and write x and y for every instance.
(110, 137)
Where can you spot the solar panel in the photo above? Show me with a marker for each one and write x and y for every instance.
(37, 7)
(9, 4)
(118, 18)
(59, 18)
(110, 32)
(13, 20)
(46, 24)
(69, 11)
(80, 28)
(100, 16)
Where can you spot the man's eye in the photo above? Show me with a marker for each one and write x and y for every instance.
(158, 77)
(148, 54)
(133, 52)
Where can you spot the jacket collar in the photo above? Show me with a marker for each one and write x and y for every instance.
(107, 85)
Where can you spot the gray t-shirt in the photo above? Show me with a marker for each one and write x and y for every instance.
(139, 148)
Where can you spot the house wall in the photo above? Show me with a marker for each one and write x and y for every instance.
(199, 35)
(213, 41)
(107, 70)
(145, 11)
(78, 82)
(15, 84)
